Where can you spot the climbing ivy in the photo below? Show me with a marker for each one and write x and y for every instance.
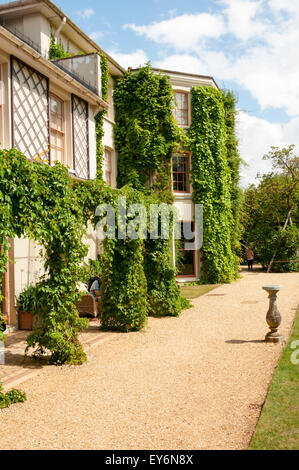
(211, 182)
(125, 304)
(145, 130)
(234, 161)
(145, 136)
(99, 118)
(38, 201)
(56, 51)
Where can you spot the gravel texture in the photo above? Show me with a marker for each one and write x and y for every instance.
(196, 382)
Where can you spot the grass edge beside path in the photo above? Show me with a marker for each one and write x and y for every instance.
(278, 426)
(193, 292)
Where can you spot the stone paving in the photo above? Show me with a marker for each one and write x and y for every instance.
(18, 369)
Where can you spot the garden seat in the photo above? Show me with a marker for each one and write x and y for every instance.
(88, 306)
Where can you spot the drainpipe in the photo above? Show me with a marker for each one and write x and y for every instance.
(63, 22)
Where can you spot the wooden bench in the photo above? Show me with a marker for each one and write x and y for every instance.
(88, 306)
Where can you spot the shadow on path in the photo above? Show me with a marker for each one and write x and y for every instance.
(240, 341)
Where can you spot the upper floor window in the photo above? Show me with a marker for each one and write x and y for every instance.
(181, 172)
(108, 166)
(181, 108)
(57, 128)
(110, 113)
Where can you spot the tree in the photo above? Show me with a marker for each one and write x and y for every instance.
(286, 161)
(270, 212)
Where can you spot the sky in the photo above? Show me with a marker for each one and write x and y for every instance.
(249, 46)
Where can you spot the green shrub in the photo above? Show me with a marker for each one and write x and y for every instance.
(9, 398)
(124, 299)
(27, 300)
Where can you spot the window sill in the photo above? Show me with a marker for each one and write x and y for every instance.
(180, 195)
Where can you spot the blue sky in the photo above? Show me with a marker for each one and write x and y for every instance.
(249, 46)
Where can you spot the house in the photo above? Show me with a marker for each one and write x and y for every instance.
(182, 84)
(48, 109)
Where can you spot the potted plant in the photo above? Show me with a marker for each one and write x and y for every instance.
(27, 306)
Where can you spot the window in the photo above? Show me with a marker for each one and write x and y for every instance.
(57, 129)
(180, 107)
(108, 166)
(110, 113)
(185, 259)
(181, 172)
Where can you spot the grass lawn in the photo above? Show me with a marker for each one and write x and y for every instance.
(278, 427)
(192, 292)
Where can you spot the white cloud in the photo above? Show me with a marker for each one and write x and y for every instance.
(87, 13)
(135, 59)
(182, 32)
(288, 5)
(267, 66)
(96, 35)
(187, 63)
(241, 16)
(256, 136)
(253, 43)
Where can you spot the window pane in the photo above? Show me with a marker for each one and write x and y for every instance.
(60, 124)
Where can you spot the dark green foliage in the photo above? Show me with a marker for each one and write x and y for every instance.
(145, 130)
(211, 180)
(56, 51)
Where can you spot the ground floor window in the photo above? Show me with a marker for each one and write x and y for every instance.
(185, 259)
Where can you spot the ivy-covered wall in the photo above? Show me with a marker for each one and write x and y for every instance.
(145, 130)
(145, 136)
(99, 118)
(234, 161)
(211, 181)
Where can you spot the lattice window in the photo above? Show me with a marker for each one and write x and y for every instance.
(30, 111)
(80, 137)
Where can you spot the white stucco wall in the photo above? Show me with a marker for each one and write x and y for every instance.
(28, 263)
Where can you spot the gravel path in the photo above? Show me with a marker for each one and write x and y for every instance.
(197, 382)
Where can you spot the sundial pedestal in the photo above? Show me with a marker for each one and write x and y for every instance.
(273, 317)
